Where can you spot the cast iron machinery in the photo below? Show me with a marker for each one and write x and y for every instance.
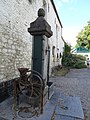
(30, 84)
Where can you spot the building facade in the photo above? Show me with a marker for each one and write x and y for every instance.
(16, 42)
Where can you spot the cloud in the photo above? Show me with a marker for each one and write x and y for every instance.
(70, 33)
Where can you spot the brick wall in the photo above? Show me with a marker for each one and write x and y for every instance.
(6, 90)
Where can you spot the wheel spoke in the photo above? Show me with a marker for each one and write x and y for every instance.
(39, 91)
(35, 92)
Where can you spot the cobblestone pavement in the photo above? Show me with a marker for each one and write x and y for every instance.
(76, 83)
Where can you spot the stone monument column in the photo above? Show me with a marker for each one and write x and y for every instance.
(41, 31)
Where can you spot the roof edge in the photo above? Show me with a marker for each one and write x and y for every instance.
(56, 12)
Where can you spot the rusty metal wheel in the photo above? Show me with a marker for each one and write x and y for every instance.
(32, 83)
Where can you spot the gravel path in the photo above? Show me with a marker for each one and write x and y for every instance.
(76, 83)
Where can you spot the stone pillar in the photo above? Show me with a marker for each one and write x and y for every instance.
(41, 31)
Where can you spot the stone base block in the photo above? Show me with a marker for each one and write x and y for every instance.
(45, 99)
(50, 89)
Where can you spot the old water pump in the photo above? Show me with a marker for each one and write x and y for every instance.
(34, 83)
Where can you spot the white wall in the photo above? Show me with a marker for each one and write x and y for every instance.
(15, 41)
(56, 39)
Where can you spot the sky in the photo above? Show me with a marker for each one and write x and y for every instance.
(74, 15)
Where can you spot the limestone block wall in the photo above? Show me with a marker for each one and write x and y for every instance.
(15, 41)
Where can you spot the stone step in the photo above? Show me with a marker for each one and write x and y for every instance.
(68, 107)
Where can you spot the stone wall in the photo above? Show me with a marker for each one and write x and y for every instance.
(6, 90)
(15, 41)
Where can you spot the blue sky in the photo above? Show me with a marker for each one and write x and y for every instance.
(74, 15)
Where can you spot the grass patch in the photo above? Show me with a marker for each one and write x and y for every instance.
(60, 71)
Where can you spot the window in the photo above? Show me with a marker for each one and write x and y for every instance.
(48, 7)
(60, 55)
(53, 50)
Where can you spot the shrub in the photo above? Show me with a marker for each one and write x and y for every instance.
(73, 61)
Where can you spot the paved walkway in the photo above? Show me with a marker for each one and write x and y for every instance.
(59, 107)
(76, 83)
(68, 90)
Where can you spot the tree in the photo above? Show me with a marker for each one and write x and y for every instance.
(67, 48)
(83, 38)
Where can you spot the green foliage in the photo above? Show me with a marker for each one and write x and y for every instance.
(83, 38)
(58, 71)
(67, 48)
(73, 61)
